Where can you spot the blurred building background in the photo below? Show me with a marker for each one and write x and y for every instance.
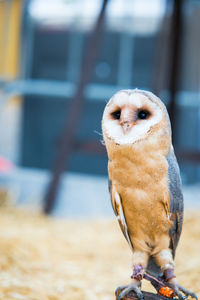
(151, 45)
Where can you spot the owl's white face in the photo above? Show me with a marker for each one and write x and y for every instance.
(129, 115)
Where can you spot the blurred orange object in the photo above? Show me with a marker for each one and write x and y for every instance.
(166, 291)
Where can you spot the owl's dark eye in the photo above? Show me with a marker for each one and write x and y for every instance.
(116, 114)
(143, 114)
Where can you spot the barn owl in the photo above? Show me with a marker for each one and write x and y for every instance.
(145, 185)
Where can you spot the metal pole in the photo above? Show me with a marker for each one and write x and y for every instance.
(175, 57)
(73, 115)
(161, 56)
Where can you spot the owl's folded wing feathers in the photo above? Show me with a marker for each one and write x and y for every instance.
(119, 212)
(176, 200)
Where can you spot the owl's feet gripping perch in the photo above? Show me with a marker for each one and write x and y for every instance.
(137, 276)
(168, 287)
(122, 291)
(171, 281)
(178, 289)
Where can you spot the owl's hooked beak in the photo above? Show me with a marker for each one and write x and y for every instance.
(126, 126)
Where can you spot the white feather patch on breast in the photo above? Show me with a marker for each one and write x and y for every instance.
(121, 218)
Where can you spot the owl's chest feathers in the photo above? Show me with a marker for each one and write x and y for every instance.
(142, 184)
(138, 169)
(140, 177)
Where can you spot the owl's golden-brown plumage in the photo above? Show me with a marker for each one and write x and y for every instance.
(144, 179)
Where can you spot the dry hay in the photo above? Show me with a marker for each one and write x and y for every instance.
(42, 258)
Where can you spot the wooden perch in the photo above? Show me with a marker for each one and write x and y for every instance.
(147, 296)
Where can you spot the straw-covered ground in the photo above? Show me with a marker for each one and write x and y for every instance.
(42, 258)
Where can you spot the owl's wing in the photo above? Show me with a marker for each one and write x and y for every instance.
(119, 212)
(176, 209)
(176, 200)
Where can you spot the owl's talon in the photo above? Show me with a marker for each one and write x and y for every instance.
(129, 288)
(178, 288)
(180, 297)
(187, 293)
(120, 289)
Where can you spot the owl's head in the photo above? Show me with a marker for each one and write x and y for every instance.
(131, 115)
